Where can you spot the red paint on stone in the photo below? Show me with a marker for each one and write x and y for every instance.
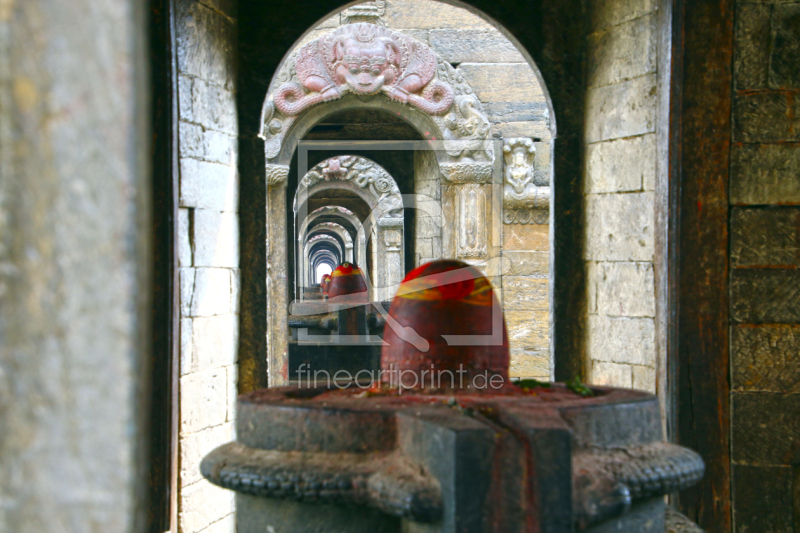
(437, 299)
(325, 283)
(347, 284)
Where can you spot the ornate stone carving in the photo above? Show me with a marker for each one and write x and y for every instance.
(365, 174)
(467, 172)
(364, 59)
(471, 212)
(277, 175)
(369, 60)
(526, 193)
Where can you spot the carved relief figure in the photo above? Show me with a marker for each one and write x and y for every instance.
(526, 192)
(365, 59)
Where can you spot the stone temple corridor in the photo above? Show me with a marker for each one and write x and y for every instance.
(205, 205)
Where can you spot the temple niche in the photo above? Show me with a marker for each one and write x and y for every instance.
(434, 131)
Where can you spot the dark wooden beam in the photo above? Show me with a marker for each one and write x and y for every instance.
(701, 139)
(163, 445)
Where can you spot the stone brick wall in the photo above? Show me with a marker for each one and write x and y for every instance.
(208, 253)
(619, 185)
(764, 260)
(516, 106)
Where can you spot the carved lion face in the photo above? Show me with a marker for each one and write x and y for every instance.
(366, 67)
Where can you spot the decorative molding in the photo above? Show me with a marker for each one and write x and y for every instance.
(471, 215)
(365, 174)
(369, 60)
(467, 172)
(390, 222)
(371, 12)
(277, 175)
(526, 192)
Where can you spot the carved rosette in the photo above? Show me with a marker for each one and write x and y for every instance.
(370, 60)
(277, 175)
(526, 190)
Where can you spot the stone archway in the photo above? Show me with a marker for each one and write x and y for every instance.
(482, 198)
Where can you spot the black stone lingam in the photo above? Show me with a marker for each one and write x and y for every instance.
(389, 454)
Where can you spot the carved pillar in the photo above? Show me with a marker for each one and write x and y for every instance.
(348, 252)
(467, 203)
(277, 276)
(390, 257)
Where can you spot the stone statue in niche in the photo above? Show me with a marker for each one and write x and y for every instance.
(365, 59)
(526, 193)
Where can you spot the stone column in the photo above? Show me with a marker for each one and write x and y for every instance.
(467, 194)
(277, 280)
(390, 257)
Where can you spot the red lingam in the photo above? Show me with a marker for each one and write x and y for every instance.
(347, 284)
(325, 283)
(445, 330)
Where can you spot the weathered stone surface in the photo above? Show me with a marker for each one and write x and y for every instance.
(530, 111)
(766, 358)
(430, 188)
(620, 227)
(204, 402)
(751, 49)
(528, 237)
(526, 263)
(205, 41)
(762, 498)
(785, 47)
(621, 110)
(424, 248)
(194, 98)
(526, 292)
(535, 129)
(765, 237)
(766, 428)
(226, 525)
(232, 374)
(765, 296)
(622, 52)
(186, 276)
(207, 145)
(208, 185)
(235, 284)
(502, 82)
(212, 292)
(203, 504)
(605, 14)
(529, 363)
(528, 329)
(611, 374)
(225, 7)
(186, 346)
(766, 116)
(765, 174)
(621, 340)
(421, 14)
(621, 165)
(626, 289)
(184, 238)
(216, 239)
(644, 378)
(474, 46)
(214, 342)
(195, 446)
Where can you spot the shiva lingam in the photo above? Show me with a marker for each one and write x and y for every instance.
(442, 441)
